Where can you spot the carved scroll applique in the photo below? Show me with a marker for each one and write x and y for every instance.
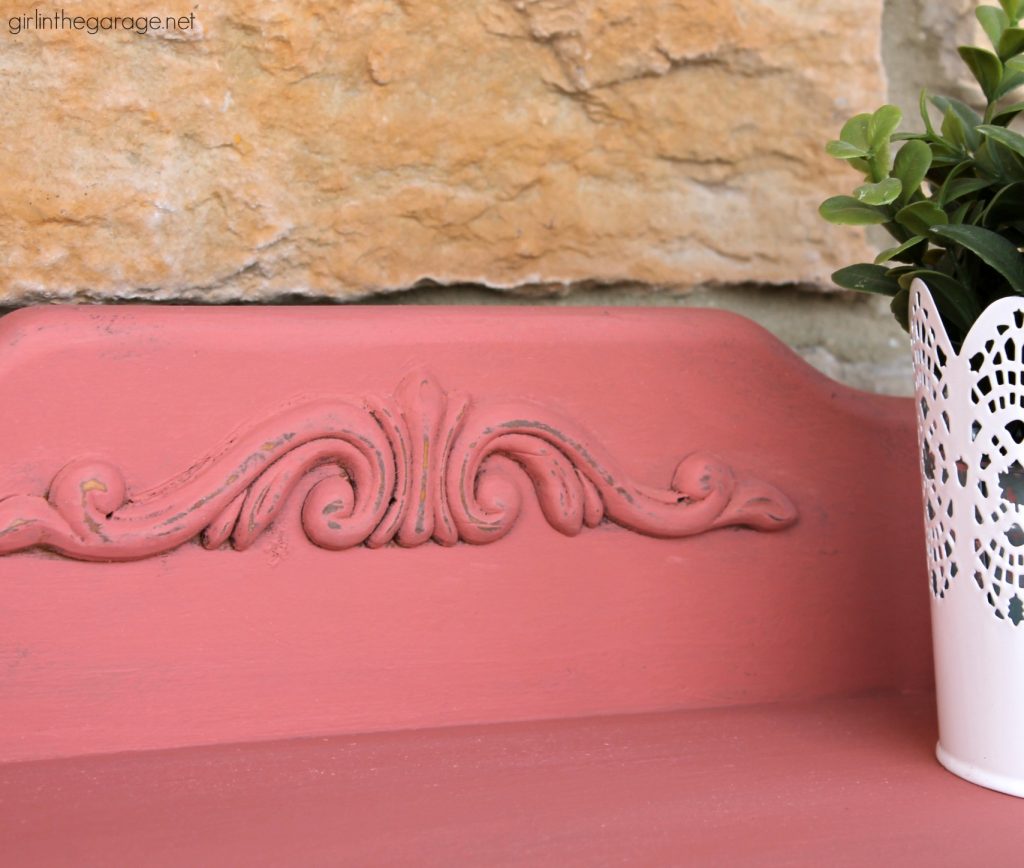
(420, 465)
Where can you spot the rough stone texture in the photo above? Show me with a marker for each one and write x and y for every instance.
(60, 144)
(336, 149)
(919, 47)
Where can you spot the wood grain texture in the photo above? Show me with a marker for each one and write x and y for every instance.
(286, 639)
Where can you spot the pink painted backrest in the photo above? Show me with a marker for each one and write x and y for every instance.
(221, 525)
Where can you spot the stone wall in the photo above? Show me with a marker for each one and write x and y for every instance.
(577, 151)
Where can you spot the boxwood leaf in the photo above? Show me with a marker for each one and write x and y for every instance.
(960, 215)
(900, 307)
(847, 211)
(993, 20)
(883, 124)
(1010, 7)
(991, 247)
(1011, 43)
(1003, 117)
(1012, 79)
(923, 105)
(906, 252)
(944, 154)
(986, 68)
(998, 161)
(864, 277)
(1007, 206)
(855, 131)
(957, 187)
(1008, 138)
(912, 162)
(844, 150)
(881, 193)
(920, 217)
(900, 270)
(969, 119)
(956, 303)
(954, 131)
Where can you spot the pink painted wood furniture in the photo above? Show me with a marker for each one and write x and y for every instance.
(459, 586)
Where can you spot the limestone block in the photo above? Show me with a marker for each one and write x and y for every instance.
(342, 148)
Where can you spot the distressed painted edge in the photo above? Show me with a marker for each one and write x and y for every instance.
(419, 465)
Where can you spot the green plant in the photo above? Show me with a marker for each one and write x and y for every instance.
(953, 197)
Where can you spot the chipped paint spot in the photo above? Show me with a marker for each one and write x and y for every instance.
(14, 525)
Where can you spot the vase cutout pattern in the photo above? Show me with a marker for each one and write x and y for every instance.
(971, 437)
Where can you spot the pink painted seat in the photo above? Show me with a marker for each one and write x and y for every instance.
(447, 586)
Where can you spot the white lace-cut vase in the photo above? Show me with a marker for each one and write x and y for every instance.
(970, 413)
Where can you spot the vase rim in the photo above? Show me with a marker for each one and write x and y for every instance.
(994, 314)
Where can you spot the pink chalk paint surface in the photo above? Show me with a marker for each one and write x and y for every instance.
(600, 594)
